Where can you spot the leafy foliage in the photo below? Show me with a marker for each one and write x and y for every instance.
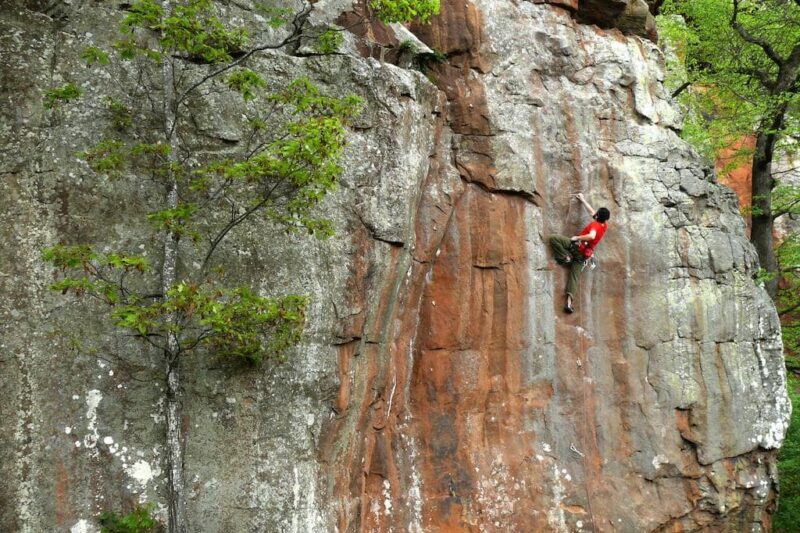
(405, 10)
(189, 29)
(93, 55)
(231, 323)
(246, 82)
(733, 80)
(329, 41)
(789, 300)
(788, 516)
(786, 200)
(277, 17)
(137, 521)
(407, 46)
(107, 156)
(121, 115)
(62, 94)
(287, 166)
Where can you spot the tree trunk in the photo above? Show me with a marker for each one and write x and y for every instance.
(174, 407)
(177, 498)
(174, 401)
(762, 185)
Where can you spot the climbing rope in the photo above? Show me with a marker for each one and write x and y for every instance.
(581, 365)
(586, 417)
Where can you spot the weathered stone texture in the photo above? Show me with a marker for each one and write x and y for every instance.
(440, 388)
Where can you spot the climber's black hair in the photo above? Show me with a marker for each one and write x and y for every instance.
(602, 215)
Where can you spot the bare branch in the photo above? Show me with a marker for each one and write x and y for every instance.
(680, 89)
(235, 221)
(788, 169)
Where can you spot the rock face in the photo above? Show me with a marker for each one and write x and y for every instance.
(440, 387)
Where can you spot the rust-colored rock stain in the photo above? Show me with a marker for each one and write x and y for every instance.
(440, 424)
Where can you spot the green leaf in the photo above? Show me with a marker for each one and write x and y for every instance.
(405, 10)
(330, 41)
(61, 95)
(245, 82)
(139, 520)
(93, 55)
(106, 157)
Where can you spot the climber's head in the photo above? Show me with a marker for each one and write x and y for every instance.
(602, 215)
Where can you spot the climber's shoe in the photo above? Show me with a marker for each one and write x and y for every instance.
(569, 309)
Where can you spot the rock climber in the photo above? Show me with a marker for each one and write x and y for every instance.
(575, 252)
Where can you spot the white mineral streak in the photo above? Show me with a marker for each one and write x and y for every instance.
(296, 501)
(415, 488)
(305, 512)
(387, 497)
(659, 460)
(772, 430)
(83, 526)
(555, 514)
(93, 398)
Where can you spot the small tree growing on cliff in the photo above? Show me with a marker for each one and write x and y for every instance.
(742, 58)
(404, 10)
(284, 168)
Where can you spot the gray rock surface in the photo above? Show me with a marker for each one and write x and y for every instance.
(438, 387)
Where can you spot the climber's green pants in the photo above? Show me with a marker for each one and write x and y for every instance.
(563, 247)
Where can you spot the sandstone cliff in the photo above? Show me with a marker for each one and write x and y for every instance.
(439, 388)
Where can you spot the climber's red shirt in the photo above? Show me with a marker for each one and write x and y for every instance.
(587, 247)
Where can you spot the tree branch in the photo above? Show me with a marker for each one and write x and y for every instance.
(760, 75)
(238, 220)
(752, 39)
(787, 77)
(785, 209)
(791, 307)
(297, 22)
(682, 88)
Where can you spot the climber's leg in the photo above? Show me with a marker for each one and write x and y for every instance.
(575, 270)
(561, 249)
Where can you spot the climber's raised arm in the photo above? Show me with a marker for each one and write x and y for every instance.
(586, 205)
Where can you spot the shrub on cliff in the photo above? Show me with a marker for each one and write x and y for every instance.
(405, 10)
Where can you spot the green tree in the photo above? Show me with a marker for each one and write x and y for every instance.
(287, 165)
(742, 62)
(787, 519)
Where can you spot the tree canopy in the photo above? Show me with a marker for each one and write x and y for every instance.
(740, 61)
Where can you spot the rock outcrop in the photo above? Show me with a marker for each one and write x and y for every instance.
(439, 388)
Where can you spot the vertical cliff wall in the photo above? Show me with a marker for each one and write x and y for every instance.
(440, 387)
